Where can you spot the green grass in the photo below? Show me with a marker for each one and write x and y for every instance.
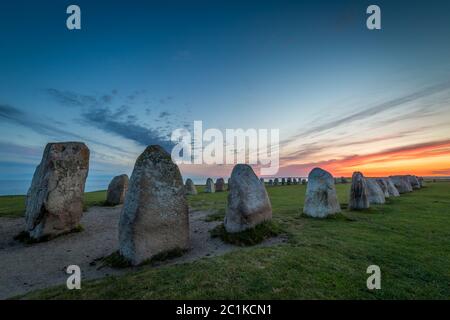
(409, 238)
(248, 237)
(14, 206)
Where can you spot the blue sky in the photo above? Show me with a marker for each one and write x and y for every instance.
(139, 69)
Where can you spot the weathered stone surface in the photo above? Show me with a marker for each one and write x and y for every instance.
(384, 186)
(415, 184)
(276, 182)
(401, 183)
(155, 217)
(359, 197)
(321, 199)
(220, 185)
(248, 202)
(190, 187)
(117, 189)
(54, 203)
(393, 192)
(210, 188)
(374, 191)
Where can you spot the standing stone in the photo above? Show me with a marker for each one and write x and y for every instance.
(117, 189)
(374, 191)
(289, 181)
(303, 181)
(422, 182)
(262, 180)
(248, 203)
(359, 197)
(393, 192)
(190, 188)
(54, 203)
(383, 185)
(344, 180)
(276, 182)
(283, 181)
(210, 186)
(402, 184)
(270, 182)
(294, 181)
(154, 218)
(220, 185)
(321, 199)
(415, 184)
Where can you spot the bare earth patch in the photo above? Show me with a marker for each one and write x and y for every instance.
(41, 265)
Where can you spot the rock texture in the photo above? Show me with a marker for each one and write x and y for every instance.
(384, 186)
(190, 187)
(374, 191)
(402, 184)
(117, 189)
(359, 197)
(54, 203)
(393, 192)
(155, 217)
(248, 203)
(220, 185)
(414, 181)
(210, 188)
(321, 199)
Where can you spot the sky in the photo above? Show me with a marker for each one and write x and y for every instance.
(344, 98)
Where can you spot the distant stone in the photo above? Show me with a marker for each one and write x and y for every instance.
(54, 203)
(270, 182)
(415, 184)
(422, 182)
(283, 181)
(262, 180)
(117, 190)
(210, 188)
(276, 182)
(289, 181)
(344, 180)
(220, 185)
(321, 199)
(294, 181)
(402, 184)
(154, 218)
(384, 186)
(190, 187)
(303, 181)
(393, 192)
(248, 203)
(359, 197)
(374, 191)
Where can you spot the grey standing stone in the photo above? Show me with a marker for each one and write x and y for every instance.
(289, 181)
(190, 187)
(210, 188)
(303, 181)
(262, 180)
(220, 185)
(270, 182)
(376, 194)
(155, 216)
(248, 203)
(276, 182)
(359, 197)
(384, 186)
(283, 181)
(117, 189)
(321, 199)
(54, 203)
(415, 184)
(228, 184)
(393, 192)
(402, 184)
(422, 182)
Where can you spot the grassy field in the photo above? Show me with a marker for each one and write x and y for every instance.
(408, 238)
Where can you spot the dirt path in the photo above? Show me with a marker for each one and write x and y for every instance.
(29, 267)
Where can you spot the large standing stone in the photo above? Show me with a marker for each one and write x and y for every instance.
(415, 184)
(54, 203)
(321, 199)
(210, 188)
(393, 192)
(190, 187)
(402, 184)
(248, 203)
(384, 186)
(220, 185)
(359, 197)
(117, 189)
(154, 218)
(375, 193)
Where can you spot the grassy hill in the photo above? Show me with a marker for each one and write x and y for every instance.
(408, 238)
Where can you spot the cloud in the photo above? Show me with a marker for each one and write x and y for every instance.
(374, 110)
